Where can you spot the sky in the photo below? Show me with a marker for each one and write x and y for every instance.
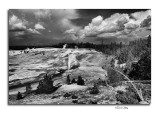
(33, 27)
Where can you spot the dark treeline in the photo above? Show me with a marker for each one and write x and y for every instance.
(134, 50)
(25, 47)
(99, 47)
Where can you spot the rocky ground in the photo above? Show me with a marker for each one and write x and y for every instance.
(32, 66)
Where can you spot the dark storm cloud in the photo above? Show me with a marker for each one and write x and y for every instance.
(16, 30)
(82, 21)
(146, 23)
(106, 12)
(86, 15)
(50, 26)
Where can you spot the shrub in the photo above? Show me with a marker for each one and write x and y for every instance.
(94, 90)
(128, 97)
(92, 102)
(74, 97)
(73, 81)
(120, 92)
(45, 85)
(101, 82)
(80, 81)
(54, 97)
(19, 96)
(67, 95)
(75, 101)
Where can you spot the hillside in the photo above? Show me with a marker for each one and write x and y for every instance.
(33, 65)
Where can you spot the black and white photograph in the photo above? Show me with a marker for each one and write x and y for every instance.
(79, 56)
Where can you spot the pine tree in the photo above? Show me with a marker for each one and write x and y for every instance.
(45, 85)
(73, 81)
(68, 80)
(112, 63)
(28, 89)
(80, 81)
(120, 44)
(94, 90)
(19, 96)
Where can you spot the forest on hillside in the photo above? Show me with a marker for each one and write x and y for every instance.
(138, 50)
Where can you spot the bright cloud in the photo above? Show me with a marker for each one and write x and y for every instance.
(16, 23)
(114, 23)
(97, 21)
(58, 15)
(71, 31)
(140, 16)
(34, 31)
(57, 20)
(38, 26)
(117, 25)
